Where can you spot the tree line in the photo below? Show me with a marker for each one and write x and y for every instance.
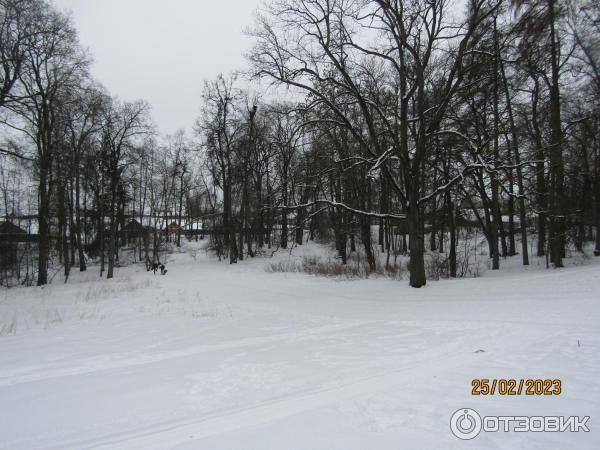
(95, 160)
(393, 124)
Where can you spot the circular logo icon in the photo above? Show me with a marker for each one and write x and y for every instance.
(465, 423)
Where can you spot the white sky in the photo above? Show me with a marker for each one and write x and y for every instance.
(162, 50)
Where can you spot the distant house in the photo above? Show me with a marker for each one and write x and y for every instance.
(173, 228)
(133, 226)
(9, 232)
(8, 227)
(10, 236)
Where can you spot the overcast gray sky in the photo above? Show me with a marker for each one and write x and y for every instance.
(162, 50)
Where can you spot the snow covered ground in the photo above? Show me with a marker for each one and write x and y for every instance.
(219, 357)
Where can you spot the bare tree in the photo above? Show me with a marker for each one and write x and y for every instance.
(122, 123)
(54, 64)
(316, 46)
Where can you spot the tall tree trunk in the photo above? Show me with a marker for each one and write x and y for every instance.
(496, 215)
(62, 217)
(541, 189)
(260, 218)
(179, 213)
(341, 236)
(511, 214)
(242, 221)
(494, 224)
(81, 255)
(43, 227)
(517, 153)
(597, 201)
(382, 210)
(301, 217)
(557, 220)
(432, 243)
(229, 226)
(112, 230)
(452, 230)
(102, 237)
(70, 221)
(284, 217)
(597, 218)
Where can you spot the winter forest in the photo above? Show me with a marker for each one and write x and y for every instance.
(406, 142)
(406, 115)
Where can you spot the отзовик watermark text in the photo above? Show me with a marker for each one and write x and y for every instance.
(466, 424)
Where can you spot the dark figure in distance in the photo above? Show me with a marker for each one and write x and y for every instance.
(155, 266)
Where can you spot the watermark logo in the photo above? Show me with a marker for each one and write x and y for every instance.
(466, 424)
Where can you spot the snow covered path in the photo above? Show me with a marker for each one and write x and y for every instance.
(218, 357)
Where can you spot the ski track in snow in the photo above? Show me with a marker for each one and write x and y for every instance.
(213, 356)
(119, 361)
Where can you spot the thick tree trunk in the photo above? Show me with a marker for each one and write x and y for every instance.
(415, 236)
(365, 237)
(301, 217)
(495, 225)
(228, 228)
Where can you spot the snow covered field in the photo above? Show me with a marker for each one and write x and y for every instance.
(219, 357)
